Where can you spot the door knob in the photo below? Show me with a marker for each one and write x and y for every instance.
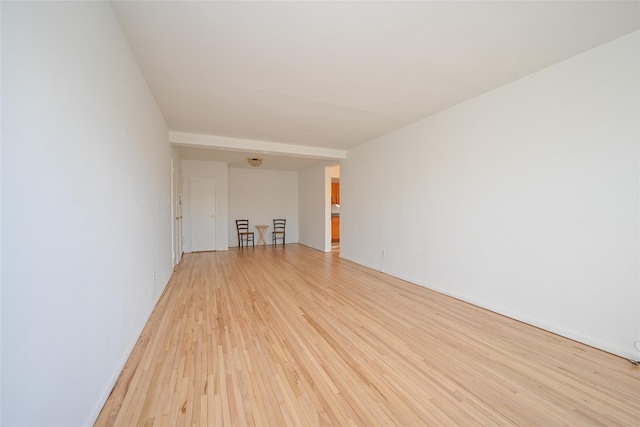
(213, 216)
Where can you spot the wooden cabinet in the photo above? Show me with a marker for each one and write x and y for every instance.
(335, 228)
(335, 219)
(335, 193)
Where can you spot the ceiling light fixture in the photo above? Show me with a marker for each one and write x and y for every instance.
(254, 161)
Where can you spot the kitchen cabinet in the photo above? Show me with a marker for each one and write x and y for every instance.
(335, 228)
(335, 193)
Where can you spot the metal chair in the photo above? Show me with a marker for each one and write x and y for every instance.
(278, 232)
(242, 225)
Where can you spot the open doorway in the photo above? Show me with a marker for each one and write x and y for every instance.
(176, 213)
(335, 209)
(335, 213)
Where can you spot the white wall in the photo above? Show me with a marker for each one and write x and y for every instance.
(219, 171)
(85, 209)
(0, 219)
(524, 200)
(260, 196)
(334, 172)
(315, 206)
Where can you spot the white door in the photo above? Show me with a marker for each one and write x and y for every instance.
(174, 217)
(179, 237)
(176, 214)
(203, 214)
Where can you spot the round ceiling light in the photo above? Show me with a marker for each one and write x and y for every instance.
(254, 161)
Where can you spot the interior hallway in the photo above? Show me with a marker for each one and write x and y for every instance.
(293, 336)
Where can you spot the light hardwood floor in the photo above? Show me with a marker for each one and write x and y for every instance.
(292, 336)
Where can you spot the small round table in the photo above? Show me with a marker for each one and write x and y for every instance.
(261, 231)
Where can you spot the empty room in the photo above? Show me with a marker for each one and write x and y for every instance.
(328, 213)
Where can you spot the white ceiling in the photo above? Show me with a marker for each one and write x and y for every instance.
(336, 74)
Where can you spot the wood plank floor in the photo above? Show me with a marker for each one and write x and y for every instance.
(292, 336)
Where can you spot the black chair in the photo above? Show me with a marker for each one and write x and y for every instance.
(278, 232)
(242, 226)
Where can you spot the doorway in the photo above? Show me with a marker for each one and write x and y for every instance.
(335, 212)
(176, 214)
(335, 208)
